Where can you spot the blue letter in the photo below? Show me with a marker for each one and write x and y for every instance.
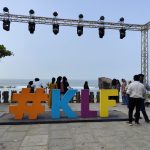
(58, 102)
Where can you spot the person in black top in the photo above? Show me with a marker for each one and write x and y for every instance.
(30, 85)
(58, 82)
(86, 86)
(65, 85)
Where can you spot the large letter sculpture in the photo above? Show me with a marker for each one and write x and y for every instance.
(85, 112)
(105, 102)
(23, 107)
(58, 103)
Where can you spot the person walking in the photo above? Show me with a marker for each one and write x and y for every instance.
(141, 79)
(136, 92)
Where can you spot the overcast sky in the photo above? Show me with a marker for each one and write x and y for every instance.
(45, 55)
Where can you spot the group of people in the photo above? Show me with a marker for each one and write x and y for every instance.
(136, 93)
(33, 85)
(61, 83)
(133, 95)
(121, 87)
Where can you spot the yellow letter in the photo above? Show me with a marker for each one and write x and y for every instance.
(105, 102)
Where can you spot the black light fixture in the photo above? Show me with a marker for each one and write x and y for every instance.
(79, 30)
(31, 27)
(122, 33)
(102, 18)
(6, 21)
(55, 29)
(5, 10)
(80, 27)
(31, 12)
(122, 30)
(122, 19)
(101, 29)
(80, 16)
(6, 25)
(101, 32)
(31, 24)
(55, 25)
(55, 14)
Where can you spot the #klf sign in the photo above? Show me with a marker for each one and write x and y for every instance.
(59, 102)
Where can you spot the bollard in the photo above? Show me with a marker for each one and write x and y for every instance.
(97, 97)
(91, 97)
(0, 96)
(72, 100)
(5, 95)
(78, 97)
(12, 91)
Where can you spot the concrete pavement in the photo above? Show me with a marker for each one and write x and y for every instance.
(77, 136)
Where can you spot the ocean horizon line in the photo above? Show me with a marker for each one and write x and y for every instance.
(45, 79)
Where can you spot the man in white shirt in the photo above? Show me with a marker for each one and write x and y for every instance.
(136, 92)
(37, 84)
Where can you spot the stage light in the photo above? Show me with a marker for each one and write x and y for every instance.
(55, 24)
(122, 30)
(55, 29)
(80, 16)
(31, 24)
(5, 10)
(121, 19)
(102, 18)
(122, 33)
(31, 11)
(6, 25)
(55, 14)
(80, 27)
(6, 21)
(79, 30)
(101, 29)
(31, 27)
(101, 32)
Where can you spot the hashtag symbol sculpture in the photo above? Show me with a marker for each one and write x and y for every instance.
(23, 107)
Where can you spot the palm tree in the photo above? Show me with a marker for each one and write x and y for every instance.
(4, 52)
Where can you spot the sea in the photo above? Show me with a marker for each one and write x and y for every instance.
(18, 84)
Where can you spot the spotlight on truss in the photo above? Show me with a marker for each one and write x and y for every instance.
(101, 29)
(31, 23)
(122, 33)
(122, 30)
(31, 27)
(80, 27)
(6, 21)
(55, 24)
(5, 10)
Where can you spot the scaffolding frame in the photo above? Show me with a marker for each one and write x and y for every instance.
(143, 28)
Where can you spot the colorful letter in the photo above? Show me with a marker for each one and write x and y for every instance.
(105, 102)
(58, 102)
(85, 112)
(21, 107)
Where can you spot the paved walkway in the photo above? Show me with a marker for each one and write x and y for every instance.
(77, 136)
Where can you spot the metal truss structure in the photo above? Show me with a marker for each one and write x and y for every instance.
(91, 24)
